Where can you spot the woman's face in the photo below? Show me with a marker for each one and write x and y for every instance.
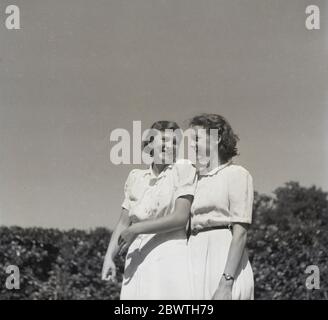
(203, 145)
(165, 146)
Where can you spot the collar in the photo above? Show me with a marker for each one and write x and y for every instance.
(150, 171)
(217, 169)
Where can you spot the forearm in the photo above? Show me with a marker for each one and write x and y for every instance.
(160, 225)
(236, 251)
(174, 221)
(113, 246)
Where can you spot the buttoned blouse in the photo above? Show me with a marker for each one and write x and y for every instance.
(223, 195)
(148, 196)
(135, 186)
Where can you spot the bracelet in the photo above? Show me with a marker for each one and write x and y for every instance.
(228, 277)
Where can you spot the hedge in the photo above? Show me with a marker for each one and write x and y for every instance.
(289, 233)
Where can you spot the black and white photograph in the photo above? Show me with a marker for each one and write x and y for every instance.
(167, 150)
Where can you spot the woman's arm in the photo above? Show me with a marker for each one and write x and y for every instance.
(113, 247)
(236, 250)
(237, 247)
(122, 224)
(175, 221)
(240, 196)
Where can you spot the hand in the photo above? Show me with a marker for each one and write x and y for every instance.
(126, 238)
(224, 290)
(109, 270)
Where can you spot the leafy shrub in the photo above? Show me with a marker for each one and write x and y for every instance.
(288, 234)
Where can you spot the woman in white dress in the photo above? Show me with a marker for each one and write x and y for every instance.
(220, 214)
(156, 210)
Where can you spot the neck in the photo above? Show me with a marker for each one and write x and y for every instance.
(214, 163)
(158, 168)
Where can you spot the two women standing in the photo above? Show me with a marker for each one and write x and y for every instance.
(208, 262)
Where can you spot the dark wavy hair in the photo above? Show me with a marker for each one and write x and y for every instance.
(228, 145)
(161, 125)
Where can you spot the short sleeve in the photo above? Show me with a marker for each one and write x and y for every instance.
(186, 178)
(127, 190)
(241, 195)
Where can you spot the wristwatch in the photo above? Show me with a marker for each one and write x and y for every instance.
(228, 277)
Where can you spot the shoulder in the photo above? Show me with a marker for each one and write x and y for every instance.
(135, 174)
(238, 172)
(184, 169)
(236, 168)
(184, 165)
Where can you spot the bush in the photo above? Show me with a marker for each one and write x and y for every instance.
(289, 233)
(55, 264)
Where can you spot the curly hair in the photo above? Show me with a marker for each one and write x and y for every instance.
(161, 125)
(228, 146)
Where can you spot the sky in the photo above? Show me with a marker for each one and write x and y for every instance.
(79, 69)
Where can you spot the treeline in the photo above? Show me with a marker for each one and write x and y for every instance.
(289, 234)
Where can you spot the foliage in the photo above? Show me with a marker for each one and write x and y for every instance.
(289, 233)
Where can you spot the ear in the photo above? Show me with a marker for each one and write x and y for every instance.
(219, 140)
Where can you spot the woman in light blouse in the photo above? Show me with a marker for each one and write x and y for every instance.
(220, 214)
(153, 225)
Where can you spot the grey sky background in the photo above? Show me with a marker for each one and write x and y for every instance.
(78, 69)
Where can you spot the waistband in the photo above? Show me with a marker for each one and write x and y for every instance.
(195, 231)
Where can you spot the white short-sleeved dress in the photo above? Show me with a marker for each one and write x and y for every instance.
(157, 265)
(223, 196)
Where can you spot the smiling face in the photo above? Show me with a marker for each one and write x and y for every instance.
(165, 147)
(204, 144)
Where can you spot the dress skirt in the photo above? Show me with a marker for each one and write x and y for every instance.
(157, 267)
(208, 253)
